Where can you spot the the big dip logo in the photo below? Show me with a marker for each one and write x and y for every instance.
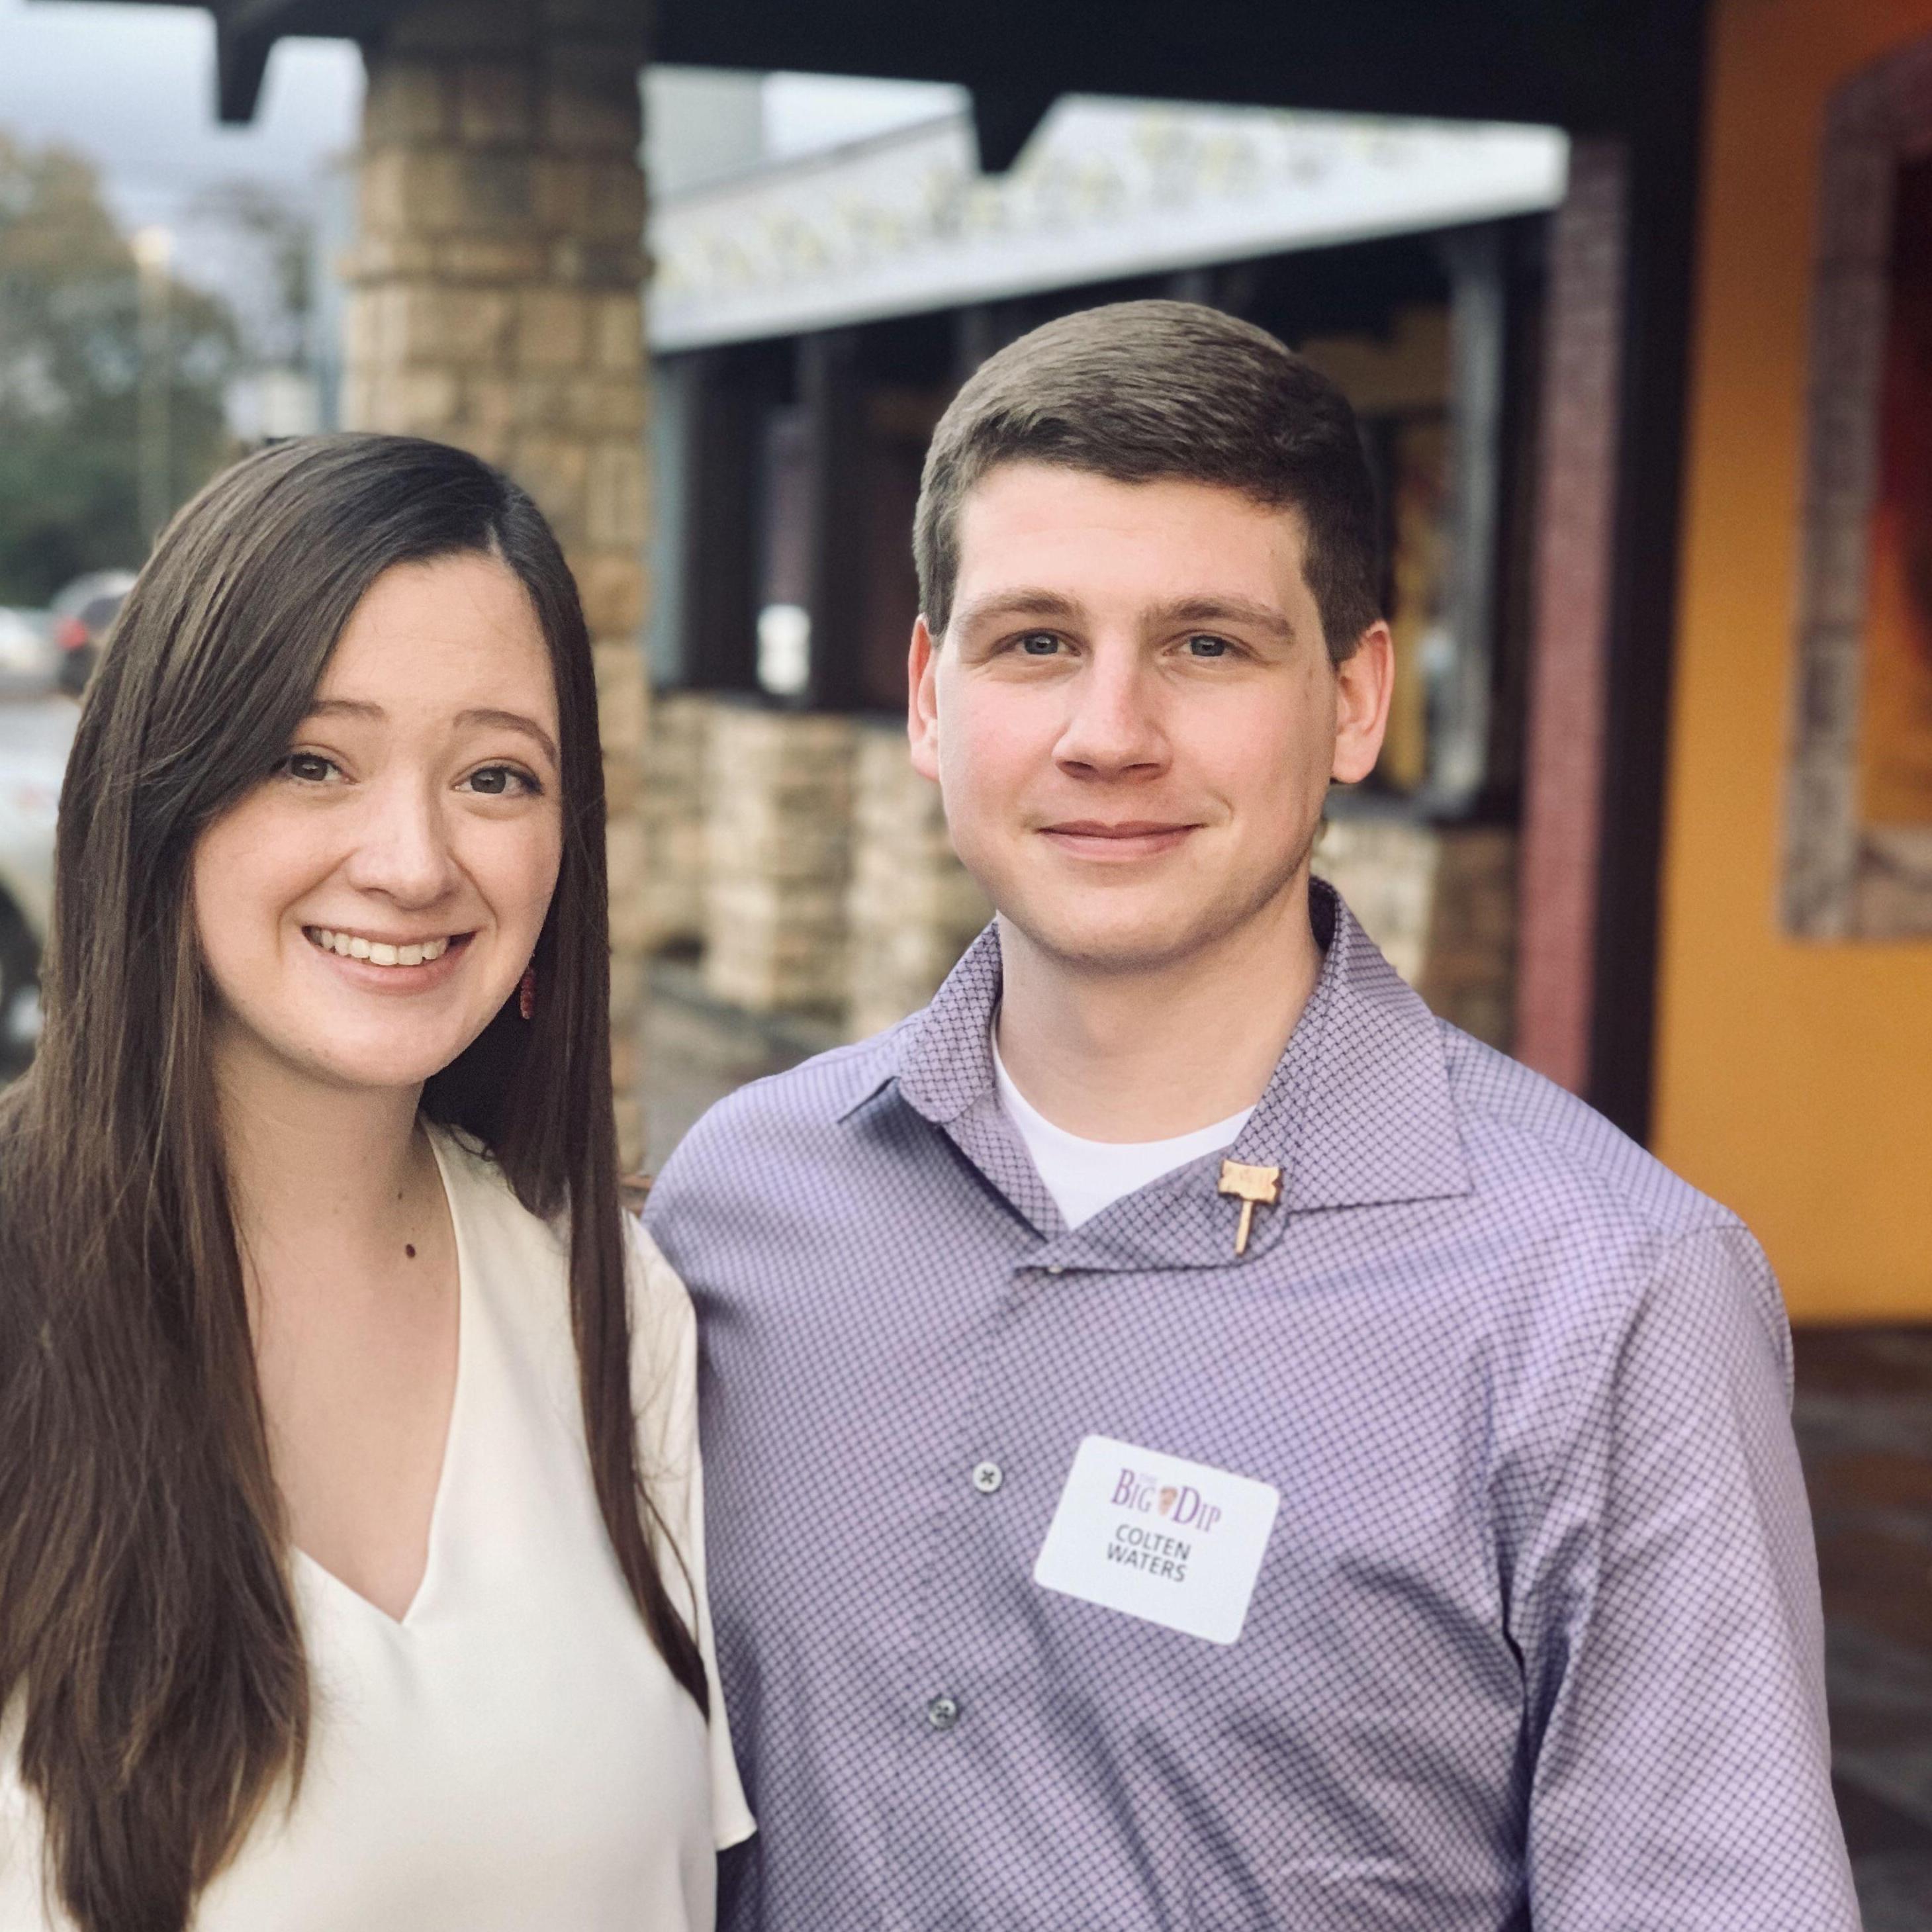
(1155, 1549)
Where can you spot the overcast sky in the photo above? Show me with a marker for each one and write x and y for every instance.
(133, 87)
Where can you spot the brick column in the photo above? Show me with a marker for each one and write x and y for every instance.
(1564, 758)
(911, 908)
(778, 826)
(1440, 901)
(496, 287)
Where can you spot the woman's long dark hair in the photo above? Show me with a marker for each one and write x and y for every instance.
(148, 1639)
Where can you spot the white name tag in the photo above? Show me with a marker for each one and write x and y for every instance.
(1153, 1536)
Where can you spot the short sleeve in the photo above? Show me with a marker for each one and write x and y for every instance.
(1672, 1638)
(664, 1391)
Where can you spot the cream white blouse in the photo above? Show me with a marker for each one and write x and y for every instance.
(513, 1753)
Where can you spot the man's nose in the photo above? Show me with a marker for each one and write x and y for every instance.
(1113, 721)
(403, 851)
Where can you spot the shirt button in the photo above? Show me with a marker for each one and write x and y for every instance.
(943, 1713)
(1055, 1268)
(987, 1476)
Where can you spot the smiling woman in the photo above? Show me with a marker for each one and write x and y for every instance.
(309, 1234)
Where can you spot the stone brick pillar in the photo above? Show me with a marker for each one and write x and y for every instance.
(777, 824)
(497, 288)
(911, 908)
(675, 762)
(1440, 901)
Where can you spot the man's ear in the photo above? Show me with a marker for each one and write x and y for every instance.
(1364, 682)
(923, 701)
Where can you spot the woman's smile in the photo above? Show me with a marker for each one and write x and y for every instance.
(391, 964)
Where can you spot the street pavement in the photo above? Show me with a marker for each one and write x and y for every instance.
(35, 724)
(1863, 1414)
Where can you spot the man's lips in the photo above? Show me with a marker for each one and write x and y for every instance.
(1123, 838)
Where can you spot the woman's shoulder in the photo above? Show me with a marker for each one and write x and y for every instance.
(663, 1348)
(662, 1317)
(662, 1323)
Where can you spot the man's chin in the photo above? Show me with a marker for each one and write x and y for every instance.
(1125, 934)
(1114, 947)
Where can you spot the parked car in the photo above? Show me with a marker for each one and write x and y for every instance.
(34, 741)
(81, 615)
(27, 653)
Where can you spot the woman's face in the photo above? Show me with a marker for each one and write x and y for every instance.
(367, 909)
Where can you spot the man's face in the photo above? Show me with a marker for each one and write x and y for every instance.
(1133, 716)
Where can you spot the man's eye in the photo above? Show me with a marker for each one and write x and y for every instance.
(311, 767)
(1207, 647)
(1040, 643)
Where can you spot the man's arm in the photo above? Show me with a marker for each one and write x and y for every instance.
(1668, 1611)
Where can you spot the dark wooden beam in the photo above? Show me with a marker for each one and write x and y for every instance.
(1578, 63)
(828, 394)
(1004, 119)
(723, 398)
(1666, 167)
(1571, 62)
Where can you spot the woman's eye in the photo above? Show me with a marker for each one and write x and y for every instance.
(502, 782)
(1040, 643)
(1207, 647)
(310, 767)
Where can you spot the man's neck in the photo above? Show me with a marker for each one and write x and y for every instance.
(1146, 1056)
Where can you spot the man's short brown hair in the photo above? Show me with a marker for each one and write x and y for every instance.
(1144, 391)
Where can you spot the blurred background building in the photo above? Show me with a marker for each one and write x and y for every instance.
(1619, 291)
(1634, 298)
(1631, 301)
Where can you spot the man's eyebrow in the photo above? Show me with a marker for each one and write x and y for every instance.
(1028, 600)
(1228, 610)
(503, 720)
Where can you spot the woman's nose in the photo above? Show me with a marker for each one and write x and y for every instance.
(403, 851)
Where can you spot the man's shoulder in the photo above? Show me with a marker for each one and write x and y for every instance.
(789, 1111)
(1535, 1148)
(1588, 1239)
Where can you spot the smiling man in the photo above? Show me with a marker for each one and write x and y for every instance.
(1194, 1441)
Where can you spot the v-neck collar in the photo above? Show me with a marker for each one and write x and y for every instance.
(413, 1613)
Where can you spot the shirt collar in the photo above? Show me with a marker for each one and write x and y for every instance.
(1359, 1111)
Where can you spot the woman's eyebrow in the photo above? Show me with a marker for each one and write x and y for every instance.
(484, 715)
(512, 721)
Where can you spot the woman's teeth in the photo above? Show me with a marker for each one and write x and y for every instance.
(374, 951)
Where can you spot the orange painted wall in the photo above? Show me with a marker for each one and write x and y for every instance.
(1794, 1079)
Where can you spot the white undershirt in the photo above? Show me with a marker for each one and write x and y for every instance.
(1085, 1176)
(513, 1752)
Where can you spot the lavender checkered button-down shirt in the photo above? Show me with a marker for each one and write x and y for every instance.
(1535, 1638)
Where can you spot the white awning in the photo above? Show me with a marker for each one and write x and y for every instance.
(904, 223)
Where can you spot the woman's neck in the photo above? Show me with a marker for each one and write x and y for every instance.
(314, 1168)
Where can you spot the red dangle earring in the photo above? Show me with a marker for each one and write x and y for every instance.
(527, 994)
